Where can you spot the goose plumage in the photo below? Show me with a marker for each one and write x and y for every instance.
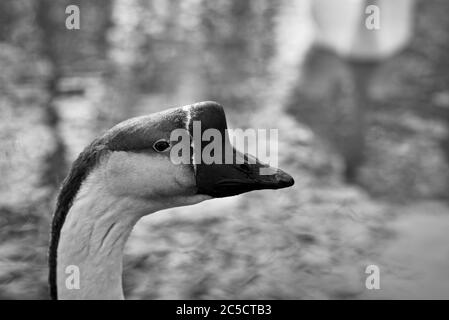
(126, 174)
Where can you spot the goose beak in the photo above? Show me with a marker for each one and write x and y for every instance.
(245, 173)
(225, 180)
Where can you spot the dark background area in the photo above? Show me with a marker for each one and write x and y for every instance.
(367, 142)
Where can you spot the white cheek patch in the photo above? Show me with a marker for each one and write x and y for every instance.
(120, 173)
(140, 174)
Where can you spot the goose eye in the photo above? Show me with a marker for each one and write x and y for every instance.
(161, 145)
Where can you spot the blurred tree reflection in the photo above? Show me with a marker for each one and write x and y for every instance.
(238, 42)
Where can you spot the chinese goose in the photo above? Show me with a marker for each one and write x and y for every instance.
(128, 173)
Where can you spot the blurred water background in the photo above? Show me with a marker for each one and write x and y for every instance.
(367, 141)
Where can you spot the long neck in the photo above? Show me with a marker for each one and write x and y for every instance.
(90, 249)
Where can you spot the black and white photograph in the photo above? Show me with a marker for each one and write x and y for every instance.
(224, 150)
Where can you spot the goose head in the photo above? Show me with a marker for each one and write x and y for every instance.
(147, 161)
(132, 170)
